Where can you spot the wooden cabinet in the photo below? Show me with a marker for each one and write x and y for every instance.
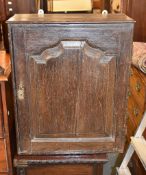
(136, 109)
(10, 7)
(70, 77)
(137, 98)
(60, 164)
(5, 148)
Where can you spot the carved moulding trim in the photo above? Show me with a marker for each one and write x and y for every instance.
(58, 50)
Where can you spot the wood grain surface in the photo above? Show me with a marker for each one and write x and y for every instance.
(70, 18)
(70, 82)
(136, 109)
(3, 157)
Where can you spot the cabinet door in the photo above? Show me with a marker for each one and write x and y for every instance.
(67, 88)
(72, 90)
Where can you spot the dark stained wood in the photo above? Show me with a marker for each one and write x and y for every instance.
(136, 166)
(60, 164)
(5, 36)
(72, 169)
(4, 14)
(0, 36)
(25, 6)
(136, 10)
(59, 159)
(2, 10)
(64, 164)
(70, 82)
(10, 7)
(16, 6)
(106, 5)
(70, 18)
(82, 109)
(62, 169)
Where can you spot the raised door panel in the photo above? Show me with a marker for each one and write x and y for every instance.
(67, 81)
(71, 88)
(71, 95)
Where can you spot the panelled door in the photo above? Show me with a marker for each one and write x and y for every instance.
(67, 81)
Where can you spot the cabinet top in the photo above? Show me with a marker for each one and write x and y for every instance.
(70, 18)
